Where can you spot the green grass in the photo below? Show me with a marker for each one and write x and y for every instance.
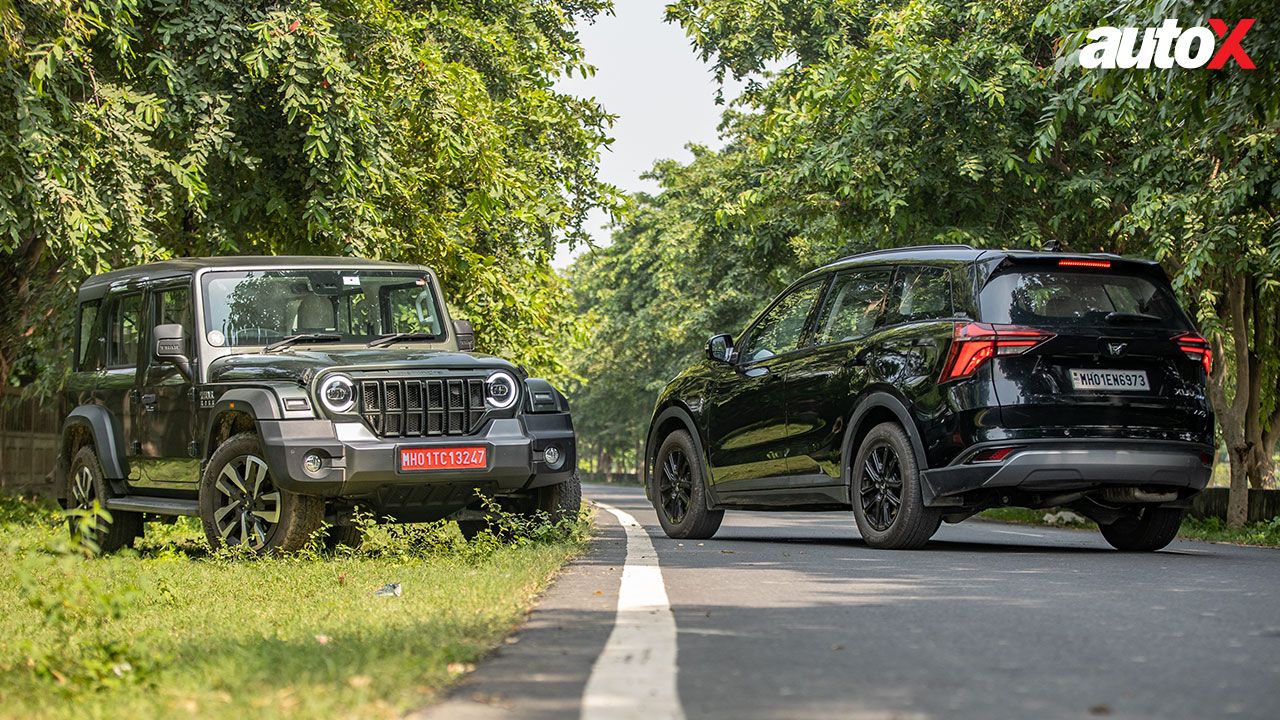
(1263, 534)
(173, 630)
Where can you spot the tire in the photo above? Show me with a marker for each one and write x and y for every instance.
(679, 490)
(562, 501)
(470, 529)
(1149, 529)
(86, 484)
(240, 505)
(348, 536)
(885, 487)
(559, 502)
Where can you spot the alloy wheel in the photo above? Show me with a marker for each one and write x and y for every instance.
(82, 488)
(675, 485)
(880, 487)
(247, 506)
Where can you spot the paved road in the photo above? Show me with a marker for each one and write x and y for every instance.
(791, 616)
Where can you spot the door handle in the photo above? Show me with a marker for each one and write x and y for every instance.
(149, 399)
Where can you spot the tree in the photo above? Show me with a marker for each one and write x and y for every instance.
(143, 129)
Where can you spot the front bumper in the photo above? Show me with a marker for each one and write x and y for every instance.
(358, 464)
(1059, 466)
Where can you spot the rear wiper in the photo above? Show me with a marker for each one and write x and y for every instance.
(394, 338)
(1123, 317)
(285, 342)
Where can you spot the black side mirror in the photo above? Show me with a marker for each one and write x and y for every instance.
(171, 346)
(465, 334)
(720, 348)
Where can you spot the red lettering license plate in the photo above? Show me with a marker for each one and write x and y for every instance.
(444, 458)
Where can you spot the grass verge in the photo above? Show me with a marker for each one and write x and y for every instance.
(171, 629)
(1262, 534)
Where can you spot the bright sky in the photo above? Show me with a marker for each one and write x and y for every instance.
(664, 96)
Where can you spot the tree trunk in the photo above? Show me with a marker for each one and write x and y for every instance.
(1238, 498)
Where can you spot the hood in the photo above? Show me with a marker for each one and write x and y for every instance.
(300, 364)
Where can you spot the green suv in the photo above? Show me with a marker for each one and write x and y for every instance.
(270, 395)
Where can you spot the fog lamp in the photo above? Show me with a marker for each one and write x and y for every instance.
(553, 456)
(312, 463)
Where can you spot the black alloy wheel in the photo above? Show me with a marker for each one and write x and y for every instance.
(675, 485)
(247, 504)
(678, 490)
(880, 487)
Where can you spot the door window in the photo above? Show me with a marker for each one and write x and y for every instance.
(89, 341)
(173, 307)
(920, 293)
(779, 330)
(126, 331)
(853, 306)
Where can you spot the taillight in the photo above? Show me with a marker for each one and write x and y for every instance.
(1077, 262)
(1196, 348)
(974, 343)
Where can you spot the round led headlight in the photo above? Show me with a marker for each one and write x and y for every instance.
(338, 393)
(500, 391)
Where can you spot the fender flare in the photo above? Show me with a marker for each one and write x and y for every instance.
(651, 449)
(879, 399)
(257, 403)
(108, 439)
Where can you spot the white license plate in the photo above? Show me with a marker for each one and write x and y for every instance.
(1116, 380)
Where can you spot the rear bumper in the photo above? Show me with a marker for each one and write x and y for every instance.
(1053, 466)
(358, 464)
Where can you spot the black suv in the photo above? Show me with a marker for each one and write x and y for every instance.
(267, 395)
(926, 384)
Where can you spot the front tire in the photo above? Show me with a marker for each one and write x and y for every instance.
(86, 484)
(887, 501)
(679, 490)
(1148, 530)
(241, 505)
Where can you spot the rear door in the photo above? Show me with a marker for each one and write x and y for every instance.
(1120, 359)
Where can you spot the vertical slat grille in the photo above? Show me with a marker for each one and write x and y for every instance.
(422, 408)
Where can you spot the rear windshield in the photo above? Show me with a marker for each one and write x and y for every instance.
(1059, 298)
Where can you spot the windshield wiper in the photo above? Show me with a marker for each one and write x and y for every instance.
(394, 338)
(1121, 317)
(285, 342)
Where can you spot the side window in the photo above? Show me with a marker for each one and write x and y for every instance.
(173, 307)
(89, 342)
(780, 329)
(920, 293)
(126, 332)
(853, 306)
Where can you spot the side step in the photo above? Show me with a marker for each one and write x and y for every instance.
(154, 505)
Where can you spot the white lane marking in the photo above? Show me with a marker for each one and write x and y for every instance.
(635, 675)
(1015, 532)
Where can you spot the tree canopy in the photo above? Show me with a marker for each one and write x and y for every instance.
(430, 132)
(897, 122)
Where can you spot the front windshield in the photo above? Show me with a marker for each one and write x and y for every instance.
(259, 307)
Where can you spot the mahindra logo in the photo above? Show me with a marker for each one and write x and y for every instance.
(1167, 45)
(1116, 349)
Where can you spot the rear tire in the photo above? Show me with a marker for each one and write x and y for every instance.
(85, 485)
(348, 536)
(1148, 530)
(885, 486)
(240, 504)
(679, 490)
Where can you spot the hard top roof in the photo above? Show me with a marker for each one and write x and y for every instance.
(185, 266)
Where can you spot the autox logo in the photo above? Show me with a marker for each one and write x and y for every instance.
(1168, 45)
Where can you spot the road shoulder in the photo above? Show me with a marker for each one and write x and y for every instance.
(541, 671)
